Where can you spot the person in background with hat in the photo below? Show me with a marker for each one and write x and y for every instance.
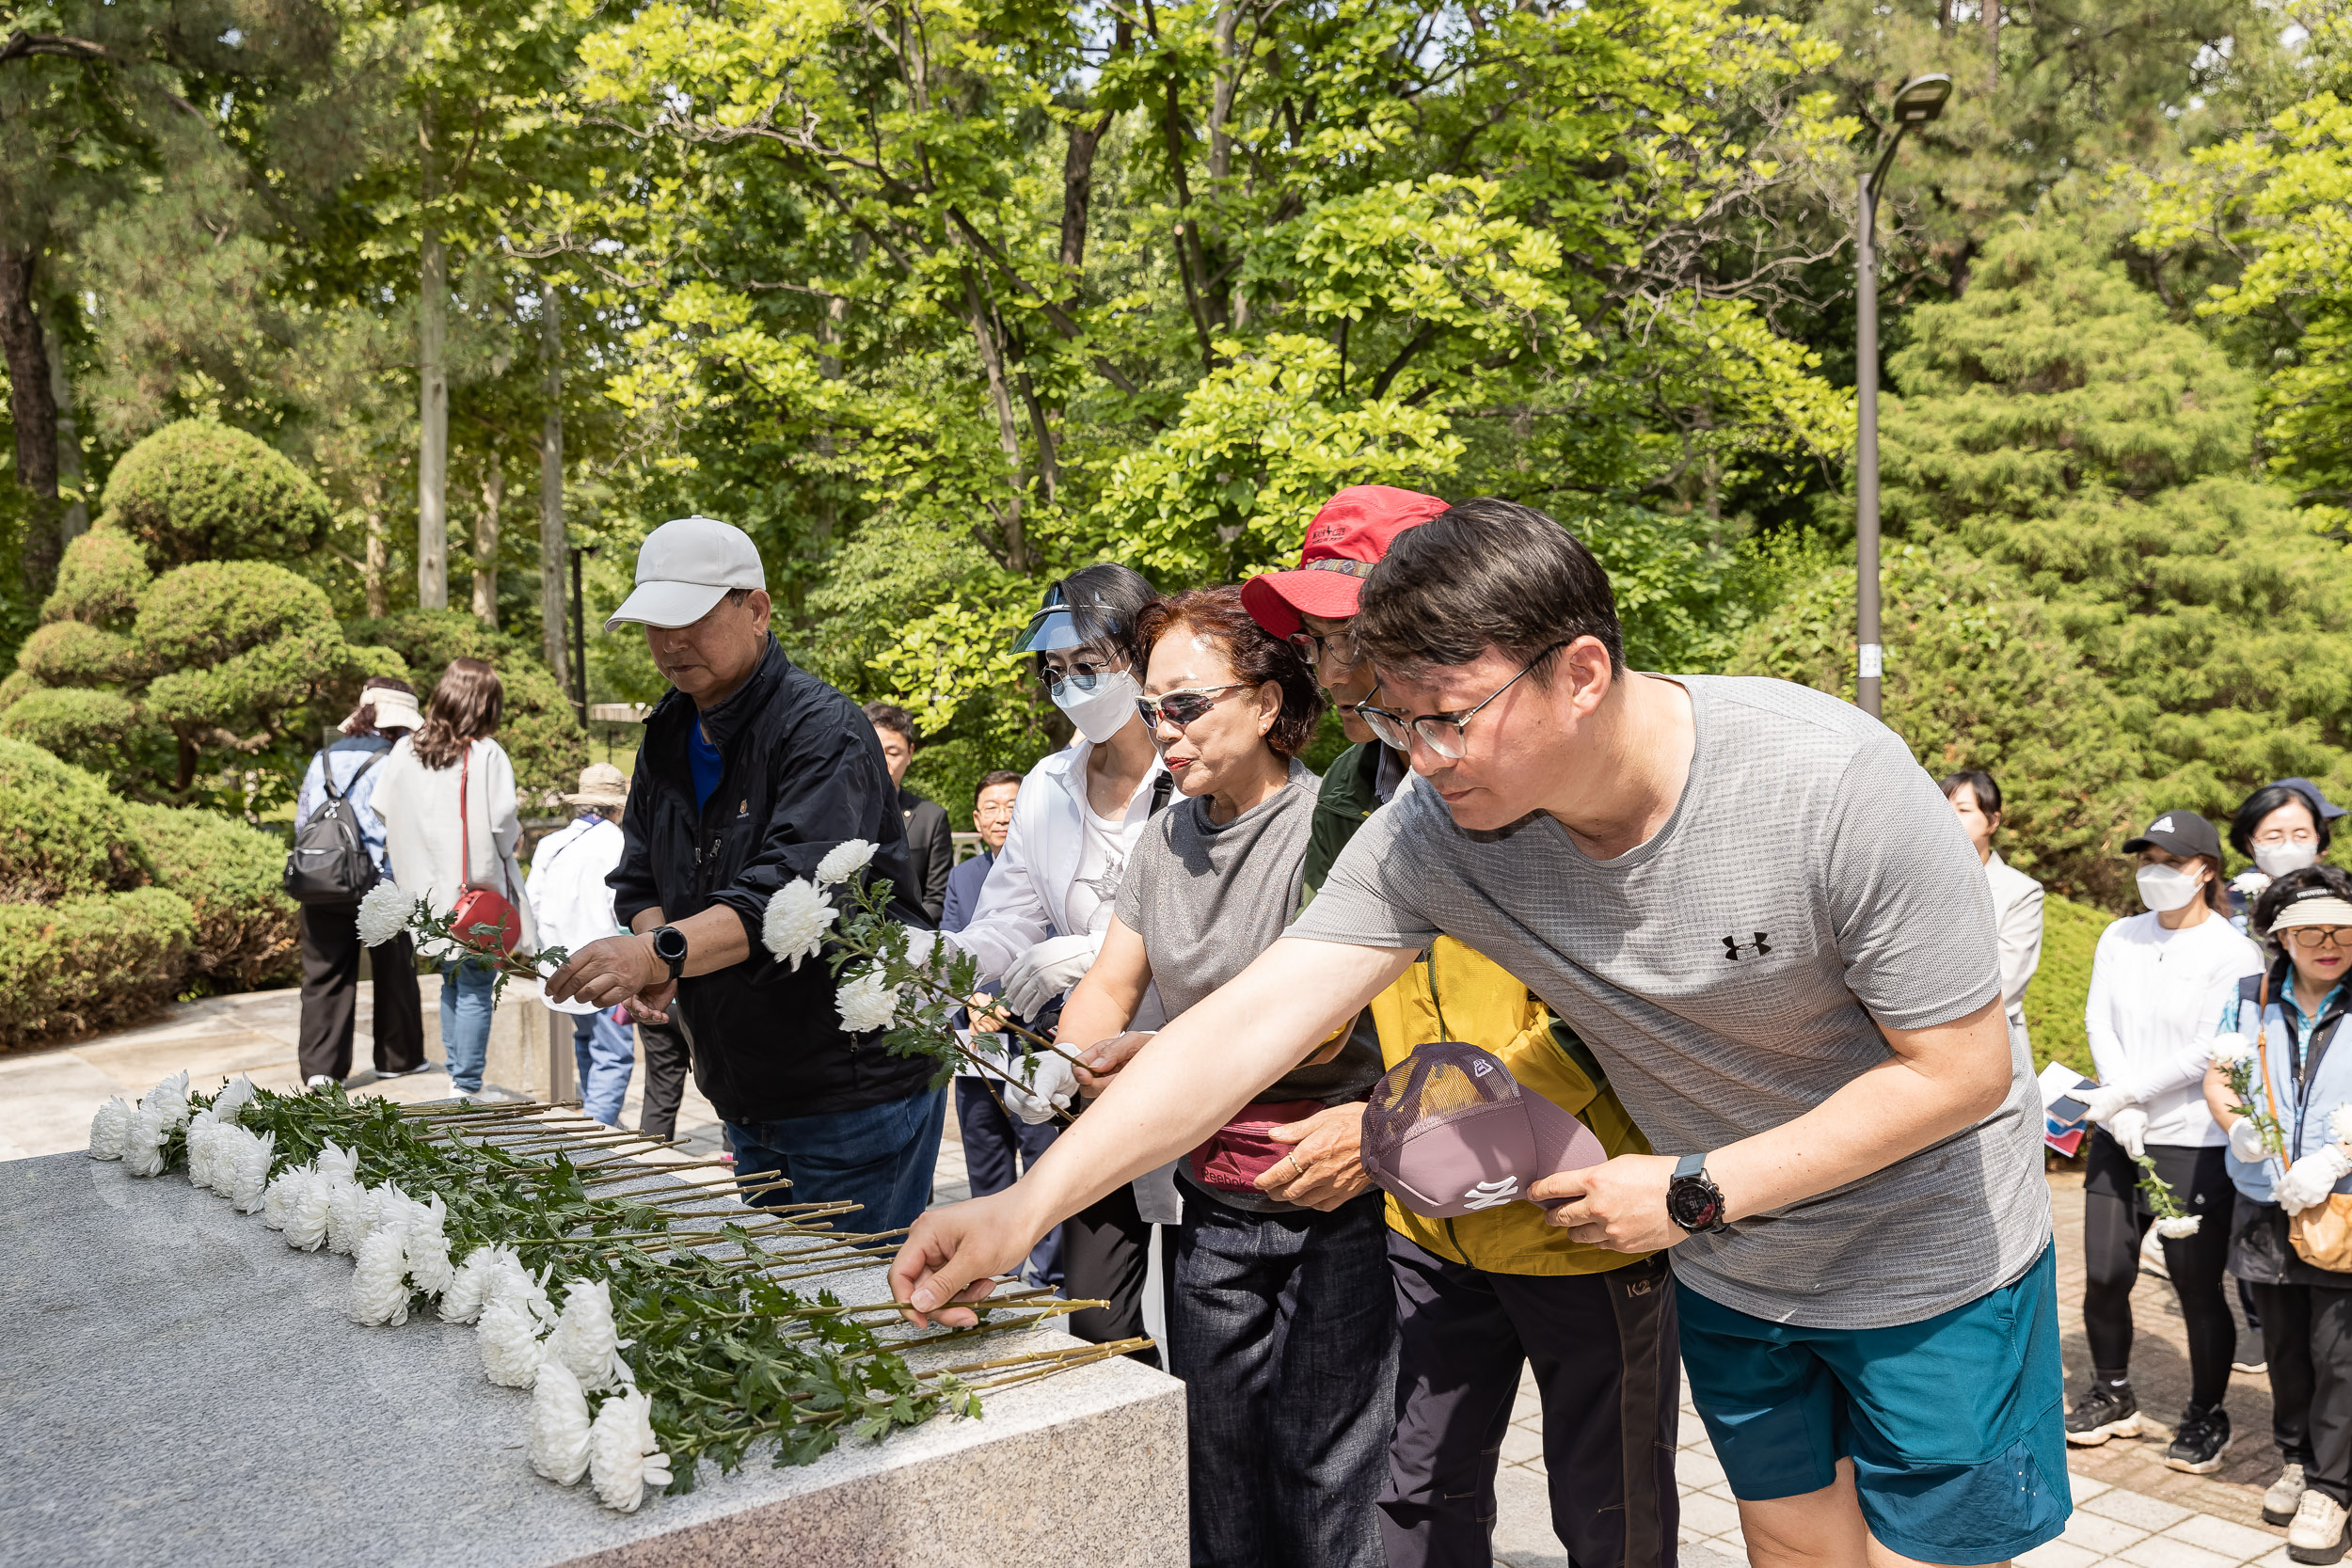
(2284, 826)
(2151, 984)
(330, 932)
(1478, 1296)
(2286, 1018)
(751, 770)
(574, 907)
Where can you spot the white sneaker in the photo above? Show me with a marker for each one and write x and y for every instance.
(2317, 1533)
(2285, 1496)
(318, 1081)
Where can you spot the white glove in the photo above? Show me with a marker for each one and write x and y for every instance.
(2245, 1140)
(2312, 1177)
(2105, 1101)
(1047, 970)
(2129, 1127)
(1055, 1085)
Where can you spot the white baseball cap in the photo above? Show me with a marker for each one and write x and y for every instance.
(685, 567)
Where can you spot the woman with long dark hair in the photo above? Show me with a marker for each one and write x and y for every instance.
(451, 823)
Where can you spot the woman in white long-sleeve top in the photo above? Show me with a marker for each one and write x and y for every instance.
(2017, 897)
(2151, 1018)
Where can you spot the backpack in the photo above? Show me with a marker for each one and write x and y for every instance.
(330, 862)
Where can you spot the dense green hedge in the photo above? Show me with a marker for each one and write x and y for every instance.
(61, 834)
(247, 931)
(90, 962)
(201, 491)
(74, 652)
(2061, 986)
(100, 581)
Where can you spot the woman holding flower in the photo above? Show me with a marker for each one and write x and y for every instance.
(2284, 1097)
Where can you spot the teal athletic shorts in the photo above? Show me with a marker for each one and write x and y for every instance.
(1955, 1424)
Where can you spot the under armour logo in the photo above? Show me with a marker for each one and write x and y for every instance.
(1735, 948)
(1488, 1194)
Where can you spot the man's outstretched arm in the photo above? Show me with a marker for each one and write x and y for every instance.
(1187, 1084)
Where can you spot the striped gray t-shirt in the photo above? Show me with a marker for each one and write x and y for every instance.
(1728, 972)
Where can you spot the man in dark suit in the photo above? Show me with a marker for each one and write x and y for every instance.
(996, 1147)
(931, 846)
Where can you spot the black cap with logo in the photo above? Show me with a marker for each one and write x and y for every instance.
(2183, 832)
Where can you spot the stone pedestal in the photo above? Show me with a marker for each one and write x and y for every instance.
(177, 1385)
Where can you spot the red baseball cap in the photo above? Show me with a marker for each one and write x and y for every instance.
(1344, 542)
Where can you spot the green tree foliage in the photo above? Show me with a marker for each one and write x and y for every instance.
(200, 491)
(100, 582)
(538, 729)
(2061, 993)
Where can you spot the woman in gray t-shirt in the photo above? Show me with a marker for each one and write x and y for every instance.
(1272, 1301)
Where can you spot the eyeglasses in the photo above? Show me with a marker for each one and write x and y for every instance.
(1181, 708)
(2319, 936)
(993, 814)
(1440, 732)
(1339, 646)
(1080, 680)
(2285, 835)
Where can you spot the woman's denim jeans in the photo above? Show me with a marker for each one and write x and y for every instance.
(466, 989)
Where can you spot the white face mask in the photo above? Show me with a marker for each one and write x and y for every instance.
(2277, 860)
(1103, 712)
(2166, 887)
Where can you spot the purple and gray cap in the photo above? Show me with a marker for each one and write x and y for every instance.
(1450, 1131)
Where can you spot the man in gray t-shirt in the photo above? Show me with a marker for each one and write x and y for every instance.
(1759, 912)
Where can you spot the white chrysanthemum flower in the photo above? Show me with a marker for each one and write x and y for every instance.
(797, 920)
(337, 1163)
(585, 1339)
(2340, 1124)
(623, 1455)
(349, 1214)
(429, 1268)
(390, 1209)
(844, 860)
(168, 1098)
(559, 1425)
(2229, 1047)
(2251, 883)
(143, 1141)
(384, 913)
(309, 1213)
(511, 1348)
(199, 1146)
(469, 1287)
(278, 1200)
(2179, 1225)
(379, 1285)
(228, 1105)
(107, 1127)
(247, 1157)
(866, 1004)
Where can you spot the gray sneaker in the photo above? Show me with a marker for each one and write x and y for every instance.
(2285, 1496)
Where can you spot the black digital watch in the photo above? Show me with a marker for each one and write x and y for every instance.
(669, 945)
(1692, 1200)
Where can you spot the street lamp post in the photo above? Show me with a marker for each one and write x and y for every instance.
(1917, 101)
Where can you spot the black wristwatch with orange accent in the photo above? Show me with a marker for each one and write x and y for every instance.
(1692, 1200)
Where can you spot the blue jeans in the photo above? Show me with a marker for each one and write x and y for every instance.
(606, 1054)
(466, 989)
(1284, 1332)
(996, 1150)
(879, 1158)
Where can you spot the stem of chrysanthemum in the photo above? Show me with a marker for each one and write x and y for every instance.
(710, 1187)
(716, 1192)
(470, 1111)
(986, 1066)
(1035, 1357)
(638, 1172)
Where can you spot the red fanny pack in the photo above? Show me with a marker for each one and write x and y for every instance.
(1240, 1151)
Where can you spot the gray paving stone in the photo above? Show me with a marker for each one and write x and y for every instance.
(2134, 1507)
(2239, 1543)
(2164, 1551)
(2058, 1554)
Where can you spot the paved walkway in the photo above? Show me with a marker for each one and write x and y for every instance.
(2129, 1510)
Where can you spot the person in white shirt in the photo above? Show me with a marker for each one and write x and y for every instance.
(573, 904)
(2152, 986)
(2017, 897)
(1046, 903)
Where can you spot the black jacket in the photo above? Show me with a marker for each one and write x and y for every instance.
(803, 773)
(930, 850)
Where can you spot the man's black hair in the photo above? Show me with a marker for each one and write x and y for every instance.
(891, 716)
(1485, 574)
(2270, 798)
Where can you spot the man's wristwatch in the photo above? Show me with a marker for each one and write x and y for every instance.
(669, 945)
(1692, 1200)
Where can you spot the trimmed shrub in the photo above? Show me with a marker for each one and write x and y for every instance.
(197, 616)
(248, 932)
(61, 834)
(200, 491)
(70, 652)
(96, 730)
(90, 962)
(100, 581)
(539, 730)
(2061, 986)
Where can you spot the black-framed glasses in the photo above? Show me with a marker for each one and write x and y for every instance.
(2319, 936)
(1440, 732)
(1339, 646)
(1183, 707)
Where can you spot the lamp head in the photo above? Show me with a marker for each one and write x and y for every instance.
(1921, 98)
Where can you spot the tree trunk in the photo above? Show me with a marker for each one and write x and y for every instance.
(485, 540)
(431, 400)
(378, 549)
(35, 410)
(1993, 39)
(76, 520)
(553, 642)
(1221, 94)
(1016, 549)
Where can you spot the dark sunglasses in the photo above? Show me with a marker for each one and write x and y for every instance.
(1183, 707)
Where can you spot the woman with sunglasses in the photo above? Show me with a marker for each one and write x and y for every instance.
(1042, 914)
(1282, 1325)
(2152, 979)
(2287, 1017)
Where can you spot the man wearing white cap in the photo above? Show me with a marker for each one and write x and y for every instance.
(751, 769)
